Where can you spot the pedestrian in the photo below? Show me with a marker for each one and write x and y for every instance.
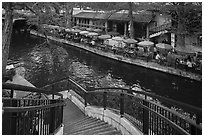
(93, 43)
(157, 57)
(154, 51)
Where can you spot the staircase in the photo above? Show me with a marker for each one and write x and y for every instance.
(90, 126)
(76, 123)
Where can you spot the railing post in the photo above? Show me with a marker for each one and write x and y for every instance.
(52, 118)
(122, 104)
(9, 119)
(104, 100)
(85, 99)
(11, 95)
(53, 96)
(194, 130)
(145, 117)
(68, 84)
(199, 121)
(62, 107)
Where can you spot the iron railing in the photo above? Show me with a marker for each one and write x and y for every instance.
(31, 116)
(151, 114)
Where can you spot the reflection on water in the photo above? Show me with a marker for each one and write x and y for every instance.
(48, 63)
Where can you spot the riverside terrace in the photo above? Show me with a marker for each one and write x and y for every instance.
(187, 64)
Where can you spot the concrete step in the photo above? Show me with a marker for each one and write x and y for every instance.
(115, 132)
(87, 126)
(90, 130)
(100, 130)
(91, 126)
(83, 123)
(77, 121)
(107, 128)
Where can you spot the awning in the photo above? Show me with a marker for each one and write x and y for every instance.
(158, 33)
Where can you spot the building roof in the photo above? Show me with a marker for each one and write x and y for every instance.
(115, 16)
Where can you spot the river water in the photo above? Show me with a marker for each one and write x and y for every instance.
(48, 63)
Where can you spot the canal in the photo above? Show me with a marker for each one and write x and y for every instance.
(48, 63)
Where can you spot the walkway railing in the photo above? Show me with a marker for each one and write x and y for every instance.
(31, 116)
(151, 114)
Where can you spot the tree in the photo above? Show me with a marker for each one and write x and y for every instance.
(47, 13)
(6, 34)
(182, 11)
(131, 20)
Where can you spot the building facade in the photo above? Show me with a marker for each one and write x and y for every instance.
(117, 22)
(161, 29)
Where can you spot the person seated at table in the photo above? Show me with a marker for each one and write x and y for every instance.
(93, 43)
(154, 51)
(189, 64)
(158, 57)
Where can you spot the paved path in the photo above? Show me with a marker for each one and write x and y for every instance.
(71, 114)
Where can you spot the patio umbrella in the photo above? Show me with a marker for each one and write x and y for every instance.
(67, 30)
(104, 37)
(75, 30)
(84, 32)
(83, 28)
(92, 34)
(130, 41)
(97, 30)
(113, 33)
(118, 38)
(76, 27)
(90, 29)
(145, 43)
(164, 46)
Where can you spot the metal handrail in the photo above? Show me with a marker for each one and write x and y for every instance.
(147, 103)
(121, 90)
(31, 108)
(31, 116)
(193, 127)
(28, 89)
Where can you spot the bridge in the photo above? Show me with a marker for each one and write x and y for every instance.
(74, 110)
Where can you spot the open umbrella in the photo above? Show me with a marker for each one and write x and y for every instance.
(90, 29)
(104, 37)
(76, 27)
(164, 46)
(130, 41)
(145, 43)
(118, 38)
(113, 33)
(67, 30)
(83, 32)
(92, 34)
(75, 30)
(83, 28)
(97, 30)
